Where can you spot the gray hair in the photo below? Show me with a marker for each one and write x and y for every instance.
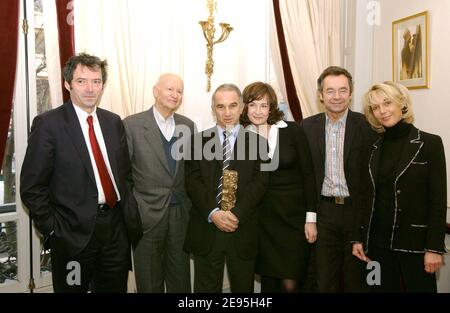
(227, 87)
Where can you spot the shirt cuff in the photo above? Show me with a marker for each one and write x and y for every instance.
(311, 217)
(210, 214)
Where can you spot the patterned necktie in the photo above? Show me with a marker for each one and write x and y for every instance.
(105, 178)
(226, 151)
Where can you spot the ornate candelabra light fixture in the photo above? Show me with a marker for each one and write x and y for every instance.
(209, 31)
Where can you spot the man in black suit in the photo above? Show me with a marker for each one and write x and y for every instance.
(213, 234)
(338, 139)
(73, 181)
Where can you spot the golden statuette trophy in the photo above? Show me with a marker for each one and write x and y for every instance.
(229, 188)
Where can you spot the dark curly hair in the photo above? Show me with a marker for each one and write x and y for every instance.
(257, 91)
(84, 59)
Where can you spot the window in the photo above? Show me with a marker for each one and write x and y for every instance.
(15, 237)
(43, 102)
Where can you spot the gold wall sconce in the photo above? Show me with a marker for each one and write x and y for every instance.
(209, 31)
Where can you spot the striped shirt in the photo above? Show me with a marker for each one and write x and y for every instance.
(334, 183)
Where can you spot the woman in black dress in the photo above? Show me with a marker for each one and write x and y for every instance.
(403, 225)
(287, 211)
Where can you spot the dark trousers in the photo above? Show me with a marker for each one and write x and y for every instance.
(160, 264)
(103, 264)
(334, 259)
(279, 285)
(209, 269)
(402, 271)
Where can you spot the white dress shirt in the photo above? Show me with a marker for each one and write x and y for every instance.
(82, 117)
(166, 126)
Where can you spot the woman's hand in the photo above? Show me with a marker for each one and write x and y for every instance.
(433, 262)
(358, 251)
(311, 232)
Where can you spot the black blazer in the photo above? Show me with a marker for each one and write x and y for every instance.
(358, 136)
(202, 176)
(420, 195)
(57, 182)
(294, 173)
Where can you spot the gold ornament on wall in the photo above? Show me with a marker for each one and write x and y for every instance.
(209, 31)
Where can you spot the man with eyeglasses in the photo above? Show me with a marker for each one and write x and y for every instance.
(338, 139)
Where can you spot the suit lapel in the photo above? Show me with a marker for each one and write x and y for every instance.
(182, 142)
(73, 129)
(153, 136)
(374, 161)
(320, 139)
(349, 134)
(240, 138)
(411, 149)
(108, 137)
(211, 140)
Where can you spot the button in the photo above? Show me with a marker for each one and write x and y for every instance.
(399, 191)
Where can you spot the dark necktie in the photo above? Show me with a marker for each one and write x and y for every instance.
(226, 151)
(105, 178)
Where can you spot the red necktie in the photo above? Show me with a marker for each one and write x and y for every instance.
(105, 179)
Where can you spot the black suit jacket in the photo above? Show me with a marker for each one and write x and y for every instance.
(420, 195)
(295, 174)
(202, 176)
(358, 137)
(57, 182)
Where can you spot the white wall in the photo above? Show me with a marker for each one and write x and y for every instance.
(362, 71)
(166, 37)
(431, 106)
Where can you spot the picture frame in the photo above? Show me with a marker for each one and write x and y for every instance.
(410, 51)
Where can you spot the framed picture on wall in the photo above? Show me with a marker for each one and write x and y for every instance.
(410, 51)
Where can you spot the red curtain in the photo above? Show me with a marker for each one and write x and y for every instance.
(294, 102)
(64, 10)
(9, 36)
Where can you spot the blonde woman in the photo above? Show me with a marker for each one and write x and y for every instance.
(403, 225)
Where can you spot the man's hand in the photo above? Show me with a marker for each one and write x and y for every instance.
(358, 251)
(311, 232)
(225, 221)
(433, 262)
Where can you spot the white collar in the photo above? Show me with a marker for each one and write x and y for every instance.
(83, 115)
(279, 124)
(342, 119)
(160, 118)
(272, 136)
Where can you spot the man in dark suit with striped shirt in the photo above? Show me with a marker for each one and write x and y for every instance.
(216, 235)
(338, 140)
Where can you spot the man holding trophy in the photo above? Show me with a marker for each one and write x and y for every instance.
(225, 183)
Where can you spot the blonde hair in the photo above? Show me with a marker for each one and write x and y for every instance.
(395, 92)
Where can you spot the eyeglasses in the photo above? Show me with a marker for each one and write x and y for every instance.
(342, 92)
